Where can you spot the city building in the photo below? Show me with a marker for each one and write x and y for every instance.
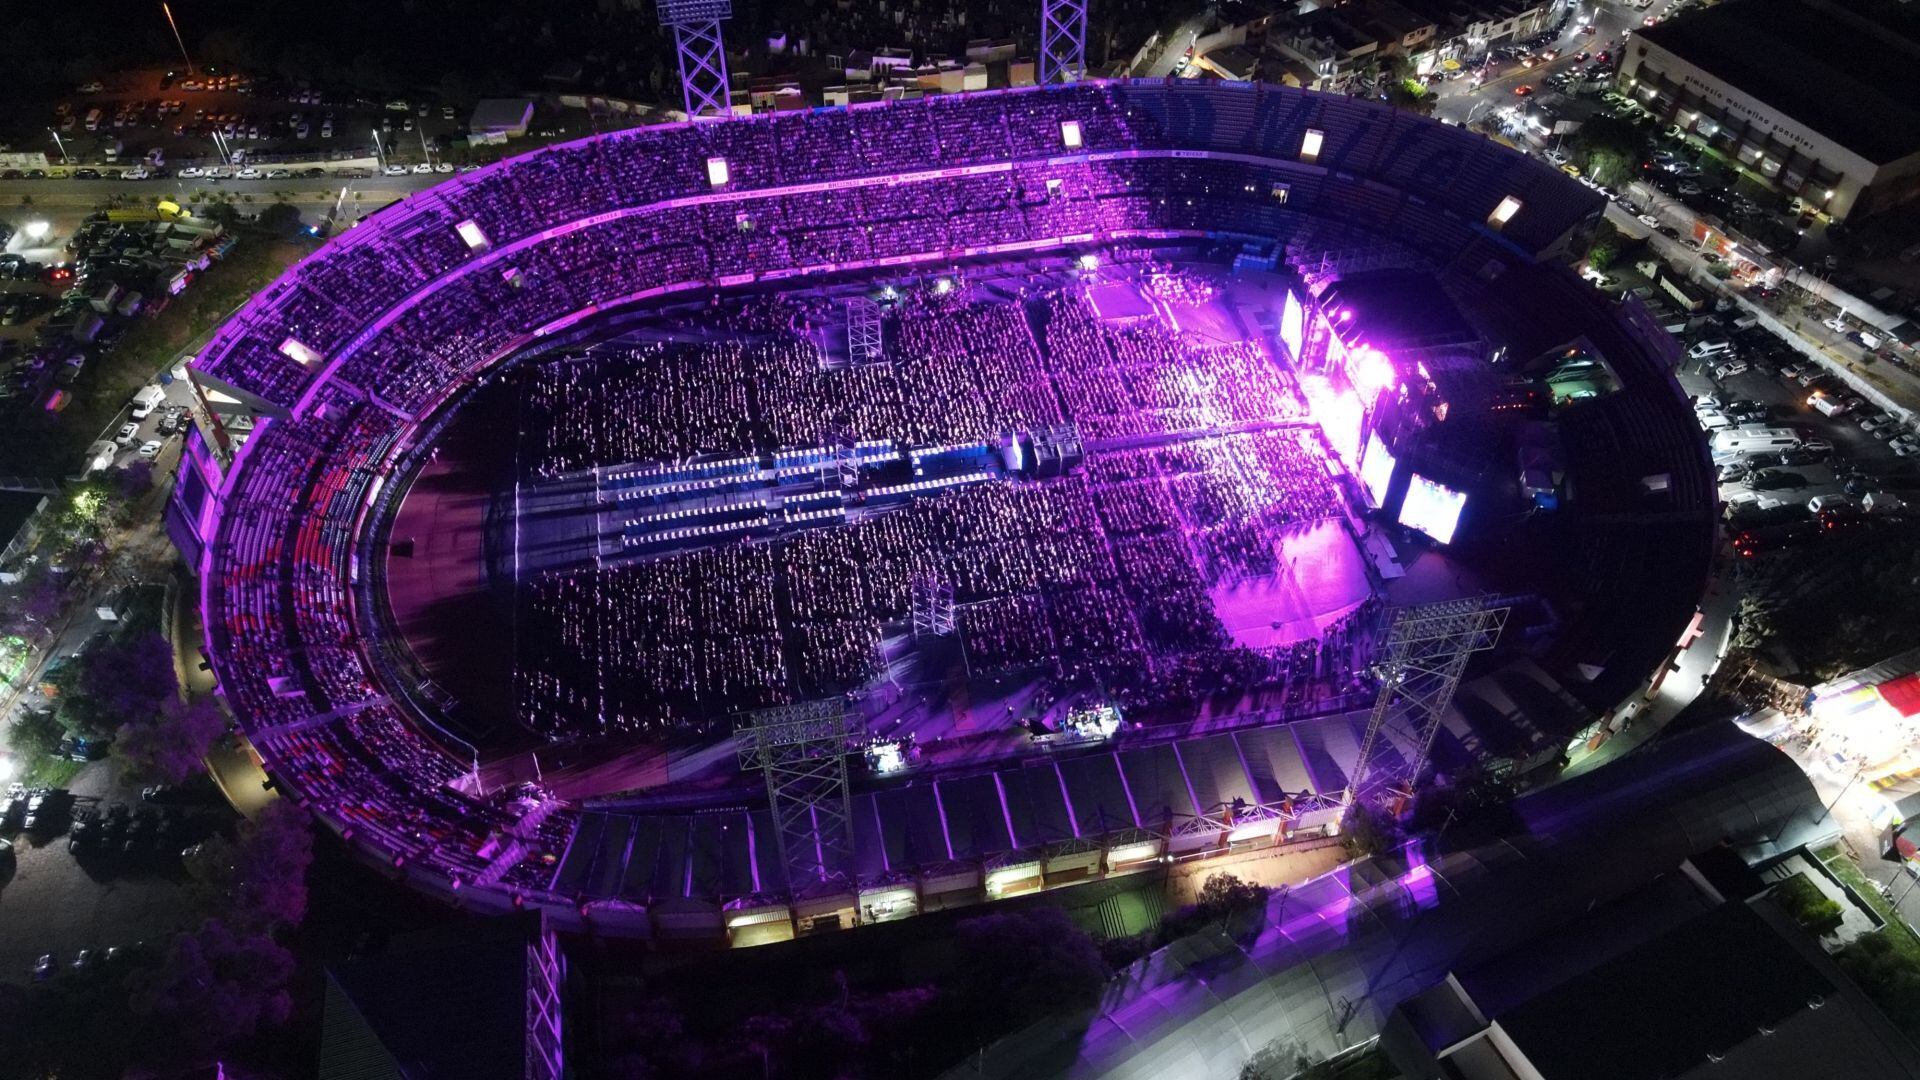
(1821, 99)
(1468, 28)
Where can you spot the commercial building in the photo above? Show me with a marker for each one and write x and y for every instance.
(1821, 99)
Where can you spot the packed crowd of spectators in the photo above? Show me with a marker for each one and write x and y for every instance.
(586, 222)
(1100, 577)
(290, 662)
(400, 315)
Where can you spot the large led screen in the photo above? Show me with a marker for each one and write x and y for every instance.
(1293, 327)
(1432, 508)
(1376, 470)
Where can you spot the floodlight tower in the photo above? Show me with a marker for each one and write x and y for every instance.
(1063, 41)
(703, 54)
(802, 750)
(1426, 653)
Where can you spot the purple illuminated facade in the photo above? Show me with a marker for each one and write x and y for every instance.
(344, 357)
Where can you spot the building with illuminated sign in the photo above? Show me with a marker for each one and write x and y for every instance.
(1818, 98)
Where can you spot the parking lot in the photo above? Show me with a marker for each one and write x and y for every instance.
(111, 894)
(1845, 464)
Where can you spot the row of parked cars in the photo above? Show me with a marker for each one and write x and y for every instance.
(39, 810)
(1781, 484)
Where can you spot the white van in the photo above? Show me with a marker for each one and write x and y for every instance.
(148, 399)
(1828, 502)
(1748, 439)
(1702, 350)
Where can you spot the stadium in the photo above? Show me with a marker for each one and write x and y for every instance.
(1066, 449)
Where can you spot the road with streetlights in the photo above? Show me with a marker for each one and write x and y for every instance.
(1461, 102)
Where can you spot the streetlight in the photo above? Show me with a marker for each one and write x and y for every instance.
(64, 159)
(379, 154)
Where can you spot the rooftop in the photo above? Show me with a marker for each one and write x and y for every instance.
(1851, 74)
(1689, 998)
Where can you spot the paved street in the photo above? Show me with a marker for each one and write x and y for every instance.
(1461, 102)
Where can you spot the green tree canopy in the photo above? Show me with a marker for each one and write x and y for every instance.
(1608, 148)
(171, 743)
(121, 680)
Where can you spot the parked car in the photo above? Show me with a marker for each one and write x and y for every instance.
(150, 449)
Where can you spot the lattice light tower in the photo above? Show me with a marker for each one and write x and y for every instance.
(802, 750)
(866, 332)
(930, 600)
(1426, 653)
(703, 54)
(1063, 41)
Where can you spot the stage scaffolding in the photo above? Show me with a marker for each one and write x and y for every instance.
(1420, 666)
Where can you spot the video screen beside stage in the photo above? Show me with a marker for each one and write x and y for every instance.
(1432, 508)
(1293, 328)
(1376, 471)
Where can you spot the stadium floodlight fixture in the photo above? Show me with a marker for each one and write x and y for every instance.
(687, 12)
(299, 353)
(471, 233)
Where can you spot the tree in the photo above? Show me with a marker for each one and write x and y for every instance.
(172, 744)
(1022, 964)
(1369, 830)
(1803, 900)
(133, 480)
(1224, 894)
(259, 879)
(280, 220)
(122, 679)
(216, 984)
(1601, 255)
(1837, 605)
(222, 214)
(37, 604)
(1608, 148)
(35, 732)
(1888, 974)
